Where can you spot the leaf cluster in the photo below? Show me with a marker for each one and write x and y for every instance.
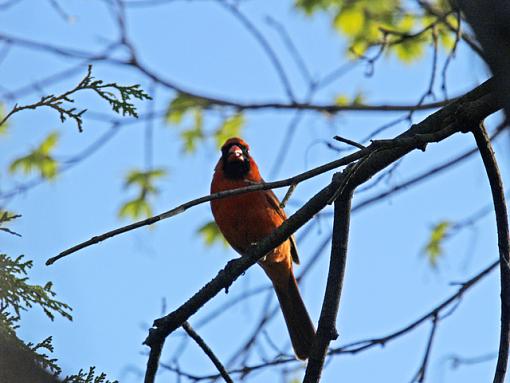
(184, 107)
(144, 181)
(40, 159)
(393, 24)
(119, 97)
(121, 101)
(87, 377)
(18, 295)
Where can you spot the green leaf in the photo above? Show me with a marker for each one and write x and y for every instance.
(359, 98)
(145, 182)
(144, 179)
(433, 249)
(342, 100)
(409, 50)
(350, 21)
(182, 104)
(406, 23)
(135, 208)
(48, 168)
(195, 134)
(39, 160)
(49, 143)
(5, 125)
(231, 127)
(211, 234)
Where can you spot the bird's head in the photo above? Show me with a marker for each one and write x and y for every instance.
(235, 158)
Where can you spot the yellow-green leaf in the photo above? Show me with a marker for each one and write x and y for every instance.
(433, 249)
(38, 160)
(342, 100)
(144, 179)
(409, 50)
(447, 39)
(49, 168)
(135, 209)
(49, 143)
(359, 98)
(211, 234)
(406, 23)
(231, 127)
(350, 20)
(180, 105)
(4, 126)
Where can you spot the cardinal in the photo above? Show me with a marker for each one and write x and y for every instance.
(247, 218)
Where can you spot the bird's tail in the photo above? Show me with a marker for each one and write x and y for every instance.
(298, 321)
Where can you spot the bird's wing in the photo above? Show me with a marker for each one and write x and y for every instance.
(275, 204)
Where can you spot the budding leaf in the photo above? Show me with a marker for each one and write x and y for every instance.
(434, 247)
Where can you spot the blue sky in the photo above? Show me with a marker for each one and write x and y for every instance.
(117, 287)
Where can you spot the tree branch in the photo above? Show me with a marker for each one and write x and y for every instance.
(489, 20)
(326, 331)
(498, 196)
(207, 350)
(420, 375)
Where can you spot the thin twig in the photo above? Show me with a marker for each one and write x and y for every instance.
(349, 142)
(420, 375)
(265, 46)
(288, 195)
(207, 350)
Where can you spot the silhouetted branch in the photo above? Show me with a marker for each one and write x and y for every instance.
(489, 20)
(420, 375)
(326, 330)
(207, 350)
(250, 27)
(498, 196)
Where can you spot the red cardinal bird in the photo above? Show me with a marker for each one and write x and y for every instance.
(246, 219)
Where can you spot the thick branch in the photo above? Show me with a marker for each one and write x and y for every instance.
(326, 331)
(498, 197)
(490, 21)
